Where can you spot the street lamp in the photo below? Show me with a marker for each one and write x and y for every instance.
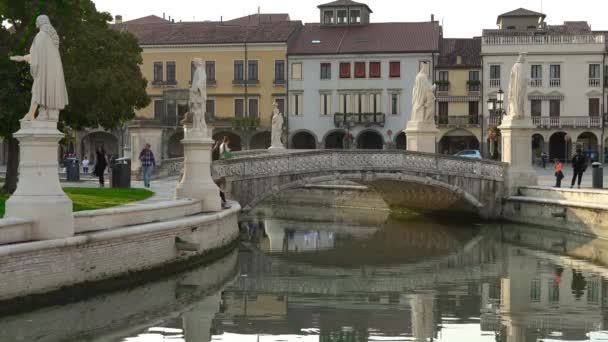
(496, 107)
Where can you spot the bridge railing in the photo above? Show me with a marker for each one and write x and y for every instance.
(310, 161)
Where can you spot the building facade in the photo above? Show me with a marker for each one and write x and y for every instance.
(350, 80)
(458, 93)
(566, 70)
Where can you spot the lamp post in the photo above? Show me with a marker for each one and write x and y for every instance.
(495, 108)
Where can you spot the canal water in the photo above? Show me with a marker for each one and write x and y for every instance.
(317, 274)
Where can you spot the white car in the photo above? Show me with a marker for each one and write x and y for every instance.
(475, 154)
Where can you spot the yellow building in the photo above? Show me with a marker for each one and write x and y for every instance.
(245, 61)
(457, 77)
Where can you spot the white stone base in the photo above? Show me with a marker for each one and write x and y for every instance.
(197, 182)
(516, 135)
(279, 148)
(39, 196)
(421, 136)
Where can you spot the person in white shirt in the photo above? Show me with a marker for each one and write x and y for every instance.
(85, 165)
(225, 152)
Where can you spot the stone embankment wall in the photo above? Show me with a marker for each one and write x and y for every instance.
(43, 266)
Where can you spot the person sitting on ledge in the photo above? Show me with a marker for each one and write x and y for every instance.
(221, 183)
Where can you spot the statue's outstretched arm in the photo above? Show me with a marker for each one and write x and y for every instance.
(26, 58)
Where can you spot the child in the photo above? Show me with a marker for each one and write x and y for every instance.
(559, 175)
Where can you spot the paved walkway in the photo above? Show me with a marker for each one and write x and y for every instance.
(164, 189)
(546, 176)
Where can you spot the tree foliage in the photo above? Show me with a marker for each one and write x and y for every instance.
(101, 64)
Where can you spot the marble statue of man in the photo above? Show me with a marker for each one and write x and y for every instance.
(198, 96)
(49, 92)
(423, 97)
(277, 126)
(517, 88)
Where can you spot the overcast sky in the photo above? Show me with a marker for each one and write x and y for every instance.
(461, 18)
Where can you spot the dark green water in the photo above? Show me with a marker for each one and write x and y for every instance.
(314, 274)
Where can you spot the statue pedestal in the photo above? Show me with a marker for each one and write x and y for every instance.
(197, 182)
(516, 135)
(421, 136)
(279, 148)
(39, 196)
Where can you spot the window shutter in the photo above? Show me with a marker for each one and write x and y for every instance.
(344, 70)
(360, 69)
(395, 69)
(374, 69)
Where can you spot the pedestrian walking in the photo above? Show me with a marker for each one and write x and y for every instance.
(85, 165)
(215, 151)
(579, 165)
(101, 163)
(146, 157)
(559, 175)
(221, 183)
(225, 152)
(543, 159)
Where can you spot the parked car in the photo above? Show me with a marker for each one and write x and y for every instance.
(475, 154)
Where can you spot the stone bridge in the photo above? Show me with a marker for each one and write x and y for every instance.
(402, 178)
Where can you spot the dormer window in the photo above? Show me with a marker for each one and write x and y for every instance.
(510, 27)
(328, 17)
(342, 15)
(355, 16)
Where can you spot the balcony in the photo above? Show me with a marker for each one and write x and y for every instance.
(495, 83)
(555, 82)
(536, 82)
(494, 120)
(458, 121)
(473, 87)
(594, 82)
(243, 82)
(279, 82)
(355, 119)
(164, 84)
(500, 37)
(567, 121)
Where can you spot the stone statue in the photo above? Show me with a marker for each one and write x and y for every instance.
(49, 92)
(277, 126)
(423, 97)
(198, 97)
(517, 89)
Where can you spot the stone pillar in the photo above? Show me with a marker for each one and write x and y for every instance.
(421, 136)
(516, 143)
(39, 196)
(196, 182)
(423, 319)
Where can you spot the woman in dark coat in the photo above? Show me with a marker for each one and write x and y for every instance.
(100, 165)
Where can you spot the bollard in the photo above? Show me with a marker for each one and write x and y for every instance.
(597, 175)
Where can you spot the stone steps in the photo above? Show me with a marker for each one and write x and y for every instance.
(593, 196)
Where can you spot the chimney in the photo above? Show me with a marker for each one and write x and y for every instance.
(169, 18)
(432, 17)
(458, 60)
(118, 19)
(221, 18)
(173, 20)
(163, 15)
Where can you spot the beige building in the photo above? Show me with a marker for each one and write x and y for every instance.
(458, 92)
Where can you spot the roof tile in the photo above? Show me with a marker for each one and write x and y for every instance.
(469, 49)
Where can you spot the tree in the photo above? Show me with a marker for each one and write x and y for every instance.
(101, 66)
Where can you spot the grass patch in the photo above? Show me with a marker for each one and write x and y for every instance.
(96, 198)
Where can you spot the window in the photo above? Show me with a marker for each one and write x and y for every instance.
(325, 104)
(395, 69)
(253, 108)
(535, 290)
(296, 71)
(159, 109)
(171, 73)
(326, 71)
(553, 292)
(355, 16)
(594, 75)
(296, 104)
(210, 110)
(555, 74)
(328, 17)
(594, 107)
(474, 83)
(252, 70)
(375, 103)
(473, 75)
(171, 112)
(280, 104)
(510, 27)
(239, 72)
(442, 109)
(536, 107)
(554, 107)
(531, 27)
(342, 16)
(158, 72)
(210, 71)
(536, 71)
(444, 84)
(192, 70)
(495, 76)
(239, 108)
(474, 108)
(344, 70)
(394, 103)
(360, 69)
(279, 71)
(374, 69)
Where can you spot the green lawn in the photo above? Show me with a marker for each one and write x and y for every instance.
(96, 198)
